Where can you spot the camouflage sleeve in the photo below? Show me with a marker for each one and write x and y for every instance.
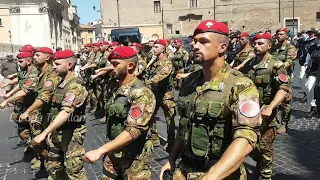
(97, 59)
(281, 78)
(185, 56)
(166, 70)
(74, 98)
(244, 104)
(142, 107)
(50, 85)
(30, 84)
(292, 55)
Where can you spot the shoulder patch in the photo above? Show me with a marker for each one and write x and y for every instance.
(48, 83)
(28, 82)
(249, 108)
(283, 78)
(69, 98)
(135, 112)
(291, 53)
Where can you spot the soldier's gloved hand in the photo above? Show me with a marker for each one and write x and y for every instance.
(92, 156)
(166, 167)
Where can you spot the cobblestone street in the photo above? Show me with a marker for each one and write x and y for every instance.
(297, 154)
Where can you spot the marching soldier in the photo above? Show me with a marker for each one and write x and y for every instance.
(220, 113)
(287, 53)
(246, 52)
(142, 64)
(270, 76)
(66, 132)
(179, 59)
(37, 113)
(129, 112)
(25, 95)
(160, 81)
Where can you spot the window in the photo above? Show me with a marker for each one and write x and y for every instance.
(157, 7)
(193, 3)
(177, 32)
(91, 40)
(169, 28)
(0, 22)
(292, 24)
(317, 18)
(90, 31)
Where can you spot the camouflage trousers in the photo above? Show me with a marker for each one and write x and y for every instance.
(285, 108)
(38, 122)
(191, 170)
(168, 107)
(23, 127)
(264, 163)
(117, 167)
(92, 99)
(64, 158)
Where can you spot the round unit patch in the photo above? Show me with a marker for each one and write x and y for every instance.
(48, 84)
(28, 83)
(249, 108)
(283, 77)
(135, 113)
(69, 98)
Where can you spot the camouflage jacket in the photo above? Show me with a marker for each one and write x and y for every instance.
(269, 75)
(287, 53)
(160, 76)
(180, 59)
(243, 55)
(213, 114)
(141, 65)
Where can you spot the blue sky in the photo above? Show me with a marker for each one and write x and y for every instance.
(85, 10)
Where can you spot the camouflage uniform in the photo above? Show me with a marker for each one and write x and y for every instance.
(243, 55)
(269, 76)
(191, 66)
(47, 83)
(179, 59)
(160, 81)
(141, 66)
(210, 120)
(287, 53)
(100, 61)
(130, 109)
(27, 81)
(90, 85)
(64, 158)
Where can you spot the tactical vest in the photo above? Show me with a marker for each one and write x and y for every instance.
(262, 78)
(178, 61)
(282, 56)
(78, 116)
(206, 119)
(117, 109)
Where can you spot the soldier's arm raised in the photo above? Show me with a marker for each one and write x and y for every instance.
(165, 72)
(13, 91)
(17, 96)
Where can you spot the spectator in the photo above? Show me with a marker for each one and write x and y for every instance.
(8, 67)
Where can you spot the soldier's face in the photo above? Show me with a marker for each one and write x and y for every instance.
(60, 66)
(243, 41)
(158, 49)
(151, 44)
(206, 47)
(96, 49)
(282, 36)
(261, 46)
(135, 49)
(177, 45)
(104, 47)
(23, 64)
(87, 49)
(40, 58)
(120, 69)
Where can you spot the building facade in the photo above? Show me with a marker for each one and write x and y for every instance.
(168, 18)
(87, 34)
(51, 23)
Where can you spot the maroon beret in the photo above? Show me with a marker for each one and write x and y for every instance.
(263, 36)
(88, 45)
(24, 55)
(178, 41)
(27, 48)
(212, 26)
(123, 52)
(44, 50)
(114, 44)
(244, 34)
(136, 45)
(105, 43)
(160, 41)
(96, 44)
(283, 29)
(151, 40)
(63, 54)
